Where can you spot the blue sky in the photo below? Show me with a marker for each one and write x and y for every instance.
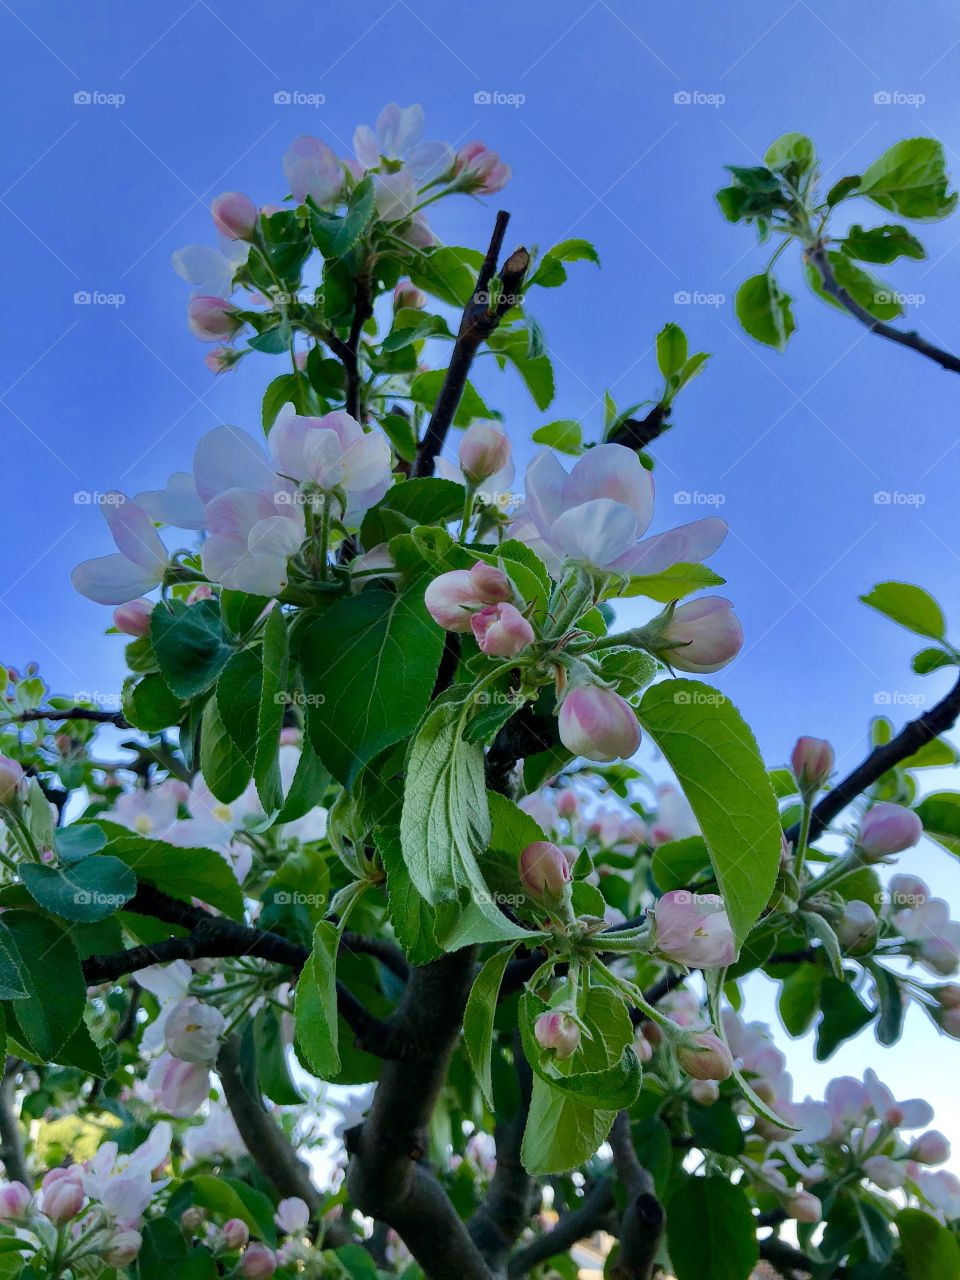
(96, 197)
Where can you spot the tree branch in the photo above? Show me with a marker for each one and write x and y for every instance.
(12, 1150)
(524, 734)
(637, 433)
(72, 713)
(349, 351)
(592, 1215)
(641, 1228)
(911, 738)
(903, 337)
(478, 322)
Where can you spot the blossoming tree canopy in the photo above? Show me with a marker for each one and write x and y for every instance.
(378, 822)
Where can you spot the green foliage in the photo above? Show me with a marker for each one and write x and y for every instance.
(711, 1231)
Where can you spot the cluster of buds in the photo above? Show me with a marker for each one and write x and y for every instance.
(481, 600)
(62, 1224)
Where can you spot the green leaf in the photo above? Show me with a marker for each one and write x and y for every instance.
(877, 298)
(287, 389)
(411, 915)
(715, 757)
(183, 873)
(78, 841)
(940, 815)
(764, 311)
(425, 389)
(150, 705)
(799, 1000)
(274, 656)
(891, 1006)
(910, 179)
(930, 1250)
(228, 1198)
(240, 612)
(369, 665)
(226, 769)
(165, 1255)
(611, 1088)
(575, 250)
(844, 1014)
(334, 236)
(671, 350)
(310, 781)
(822, 930)
(909, 605)
(238, 700)
(882, 244)
(843, 189)
(89, 890)
(189, 645)
(12, 984)
(672, 584)
(928, 660)
(536, 371)
(565, 435)
(52, 977)
(410, 326)
(478, 1018)
(315, 1007)
(677, 863)
(273, 1070)
(791, 149)
(422, 500)
(716, 1128)
(449, 273)
(711, 1231)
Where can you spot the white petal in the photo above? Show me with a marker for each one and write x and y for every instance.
(428, 161)
(178, 504)
(596, 532)
(687, 544)
(133, 532)
(114, 579)
(228, 458)
(399, 129)
(612, 471)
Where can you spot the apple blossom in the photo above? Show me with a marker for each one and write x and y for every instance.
(63, 1199)
(236, 1233)
(942, 1190)
(140, 565)
(180, 1087)
(481, 170)
(567, 802)
(888, 829)
(675, 819)
(193, 1030)
(212, 319)
(703, 1055)
(334, 452)
(811, 762)
(618, 830)
(234, 215)
(888, 1174)
(253, 534)
(406, 294)
(484, 451)
(397, 137)
(312, 169)
(701, 636)
(705, 1092)
(908, 891)
(693, 929)
(501, 630)
(557, 1031)
(15, 1200)
(133, 618)
(596, 723)
(221, 359)
(935, 936)
(857, 925)
(123, 1247)
(11, 779)
(292, 1215)
(454, 597)
(123, 1184)
(596, 514)
(178, 504)
(544, 870)
(930, 1148)
(257, 1261)
(211, 271)
(804, 1207)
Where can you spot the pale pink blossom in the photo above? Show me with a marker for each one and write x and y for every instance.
(141, 560)
(212, 319)
(312, 169)
(558, 1032)
(123, 1184)
(886, 830)
(930, 1148)
(693, 929)
(397, 136)
(544, 870)
(236, 1233)
(63, 1200)
(935, 936)
(454, 597)
(15, 1200)
(811, 762)
(406, 294)
(180, 1088)
(675, 819)
(703, 1055)
(11, 779)
(481, 170)
(257, 1262)
(596, 723)
(334, 452)
(702, 636)
(857, 925)
(123, 1247)
(133, 618)
(501, 630)
(292, 1216)
(942, 1190)
(193, 1030)
(484, 452)
(804, 1207)
(234, 215)
(211, 271)
(886, 1173)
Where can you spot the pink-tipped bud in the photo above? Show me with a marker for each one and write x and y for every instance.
(234, 215)
(948, 994)
(221, 359)
(948, 1020)
(887, 1173)
(406, 294)
(930, 1148)
(11, 778)
(454, 597)
(596, 723)
(484, 450)
(15, 1200)
(501, 630)
(559, 1032)
(858, 926)
(702, 636)
(236, 1233)
(704, 1056)
(257, 1261)
(811, 762)
(544, 870)
(888, 829)
(192, 1031)
(212, 319)
(705, 1092)
(201, 592)
(694, 929)
(292, 1216)
(63, 1200)
(803, 1206)
(192, 1218)
(643, 1049)
(483, 170)
(123, 1247)
(567, 802)
(133, 618)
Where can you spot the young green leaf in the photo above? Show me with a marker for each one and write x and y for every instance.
(909, 605)
(478, 1018)
(764, 311)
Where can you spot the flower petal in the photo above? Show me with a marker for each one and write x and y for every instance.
(113, 579)
(399, 129)
(596, 532)
(133, 532)
(178, 504)
(228, 458)
(612, 471)
(687, 544)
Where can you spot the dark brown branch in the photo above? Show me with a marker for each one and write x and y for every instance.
(592, 1215)
(386, 1177)
(911, 738)
(790, 1262)
(637, 433)
(12, 1150)
(478, 322)
(350, 352)
(524, 734)
(641, 1228)
(73, 713)
(903, 337)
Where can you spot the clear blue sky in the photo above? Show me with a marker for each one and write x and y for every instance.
(96, 197)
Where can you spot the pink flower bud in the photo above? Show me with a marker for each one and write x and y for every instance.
(930, 1148)
(596, 723)
(643, 1048)
(705, 1092)
(221, 359)
(484, 450)
(544, 870)
(63, 1200)
(857, 926)
(703, 1055)
(501, 630)
(454, 597)
(201, 592)
(888, 1174)
(312, 169)
(192, 1031)
(234, 215)
(812, 762)
(133, 618)
(567, 802)
(257, 1261)
(559, 1032)
(236, 1233)
(948, 994)
(693, 929)
(11, 776)
(212, 319)
(804, 1207)
(406, 294)
(292, 1216)
(483, 169)
(15, 1200)
(702, 636)
(192, 1219)
(888, 829)
(123, 1247)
